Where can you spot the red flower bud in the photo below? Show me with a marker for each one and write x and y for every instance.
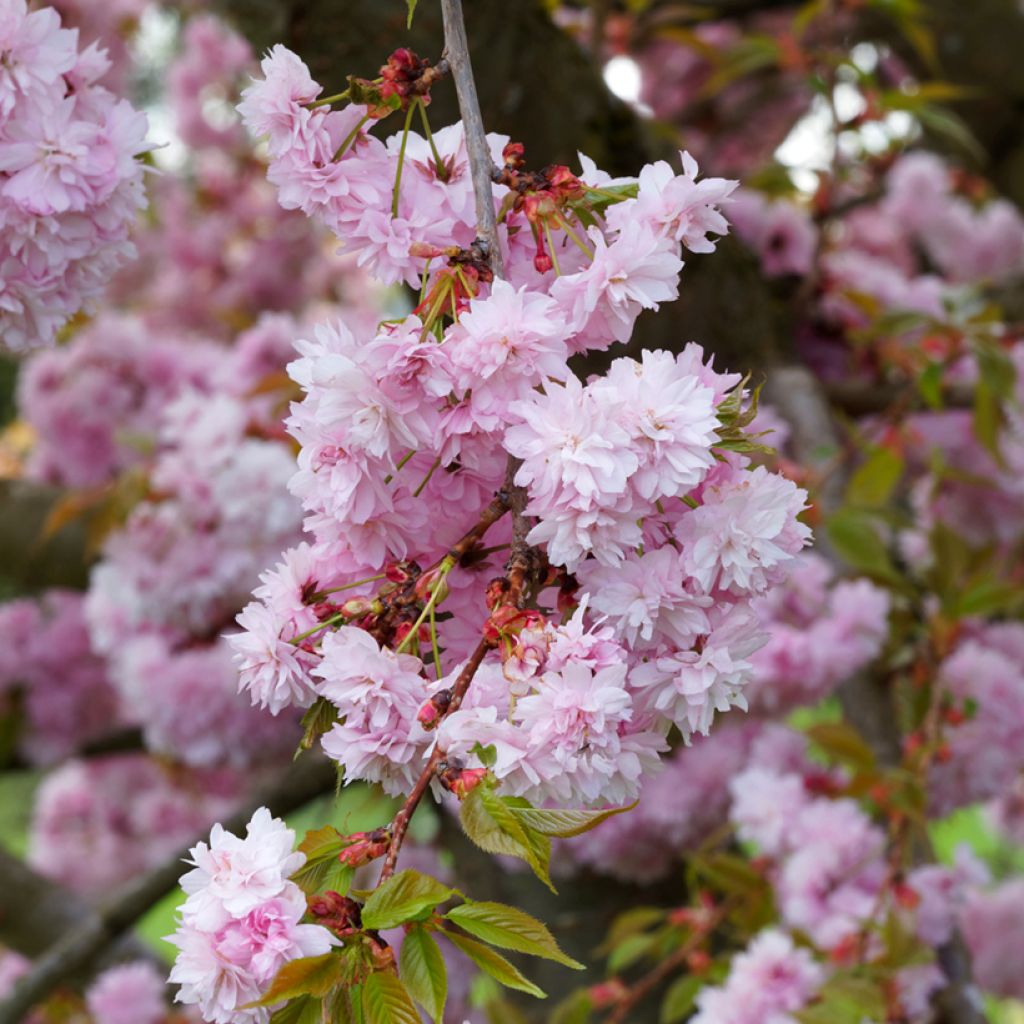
(496, 592)
(698, 961)
(513, 154)
(337, 912)
(461, 781)
(401, 572)
(607, 993)
(365, 847)
(356, 606)
(429, 583)
(905, 896)
(426, 251)
(432, 711)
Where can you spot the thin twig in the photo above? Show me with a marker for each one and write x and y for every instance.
(649, 982)
(400, 825)
(79, 949)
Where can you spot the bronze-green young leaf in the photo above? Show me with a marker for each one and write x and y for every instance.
(402, 898)
(495, 965)
(386, 1001)
(564, 824)
(422, 970)
(308, 976)
(509, 928)
(488, 820)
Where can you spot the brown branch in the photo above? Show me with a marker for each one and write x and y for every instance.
(860, 399)
(456, 52)
(77, 951)
(400, 825)
(649, 982)
(35, 911)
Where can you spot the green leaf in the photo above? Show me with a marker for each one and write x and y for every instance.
(854, 536)
(509, 928)
(494, 964)
(929, 383)
(630, 950)
(412, 11)
(950, 127)
(843, 744)
(402, 898)
(304, 1010)
(563, 824)
(636, 919)
(308, 976)
(421, 968)
(680, 997)
(986, 597)
(490, 822)
(875, 479)
(386, 1001)
(729, 873)
(322, 869)
(487, 756)
(577, 1009)
(319, 719)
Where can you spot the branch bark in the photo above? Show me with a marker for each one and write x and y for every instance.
(75, 953)
(35, 911)
(456, 51)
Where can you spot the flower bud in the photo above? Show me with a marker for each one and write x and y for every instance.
(430, 583)
(337, 912)
(496, 592)
(607, 993)
(354, 607)
(513, 154)
(426, 251)
(432, 711)
(365, 847)
(462, 781)
(401, 572)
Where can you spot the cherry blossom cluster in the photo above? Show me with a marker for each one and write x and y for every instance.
(70, 181)
(51, 679)
(649, 535)
(769, 981)
(99, 821)
(973, 470)
(827, 860)
(827, 863)
(219, 250)
(179, 569)
(129, 993)
(822, 630)
(983, 679)
(241, 921)
(112, 27)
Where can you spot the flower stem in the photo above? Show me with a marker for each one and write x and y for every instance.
(567, 227)
(316, 629)
(430, 472)
(433, 643)
(442, 170)
(350, 139)
(401, 462)
(447, 564)
(401, 161)
(328, 100)
(349, 586)
(551, 249)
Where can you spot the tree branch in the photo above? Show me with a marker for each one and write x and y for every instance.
(456, 52)
(77, 951)
(35, 911)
